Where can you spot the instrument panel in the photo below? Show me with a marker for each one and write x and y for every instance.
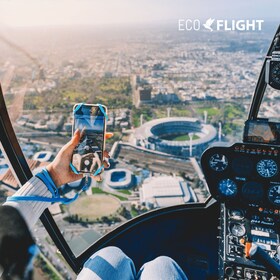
(246, 174)
(245, 179)
(240, 227)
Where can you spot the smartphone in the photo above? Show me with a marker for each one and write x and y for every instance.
(90, 119)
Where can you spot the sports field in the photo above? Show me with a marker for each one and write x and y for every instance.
(184, 137)
(94, 206)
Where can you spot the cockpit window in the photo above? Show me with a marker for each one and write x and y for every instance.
(169, 97)
(269, 108)
(5, 176)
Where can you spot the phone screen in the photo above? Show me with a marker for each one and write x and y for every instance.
(88, 154)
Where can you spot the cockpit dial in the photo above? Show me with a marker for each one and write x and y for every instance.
(267, 168)
(218, 162)
(275, 73)
(227, 187)
(274, 195)
(237, 229)
(236, 214)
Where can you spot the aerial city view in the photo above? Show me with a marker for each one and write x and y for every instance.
(169, 95)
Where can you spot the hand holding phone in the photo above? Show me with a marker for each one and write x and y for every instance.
(88, 155)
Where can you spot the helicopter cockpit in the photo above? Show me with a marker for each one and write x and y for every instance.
(234, 234)
(244, 179)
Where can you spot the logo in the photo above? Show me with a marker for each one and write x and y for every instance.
(220, 25)
(208, 24)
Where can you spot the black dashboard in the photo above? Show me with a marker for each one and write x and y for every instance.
(245, 179)
(244, 174)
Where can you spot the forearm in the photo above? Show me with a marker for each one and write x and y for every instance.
(31, 210)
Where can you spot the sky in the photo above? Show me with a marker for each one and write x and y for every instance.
(100, 12)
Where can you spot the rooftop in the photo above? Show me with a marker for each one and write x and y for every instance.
(164, 191)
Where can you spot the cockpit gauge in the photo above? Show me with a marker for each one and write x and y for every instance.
(237, 229)
(252, 191)
(267, 168)
(274, 195)
(218, 162)
(236, 214)
(275, 73)
(242, 166)
(227, 187)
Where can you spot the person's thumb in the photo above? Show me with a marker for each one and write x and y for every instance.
(75, 139)
(70, 146)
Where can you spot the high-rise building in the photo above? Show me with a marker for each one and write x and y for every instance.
(144, 94)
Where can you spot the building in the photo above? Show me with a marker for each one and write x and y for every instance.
(44, 156)
(166, 98)
(144, 94)
(120, 178)
(7, 178)
(3, 166)
(164, 191)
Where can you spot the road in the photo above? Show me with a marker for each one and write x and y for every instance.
(15, 110)
(50, 252)
(155, 162)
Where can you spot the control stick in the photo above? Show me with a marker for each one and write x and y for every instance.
(263, 258)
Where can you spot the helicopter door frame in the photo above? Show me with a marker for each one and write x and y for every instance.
(17, 163)
(261, 84)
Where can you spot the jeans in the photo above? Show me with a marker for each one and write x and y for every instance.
(111, 263)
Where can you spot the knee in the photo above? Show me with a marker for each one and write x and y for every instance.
(110, 251)
(109, 263)
(113, 255)
(162, 267)
(163, 260)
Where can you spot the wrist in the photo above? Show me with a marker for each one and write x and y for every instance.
(53, 175)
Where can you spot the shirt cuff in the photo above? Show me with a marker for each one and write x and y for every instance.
(31, 210)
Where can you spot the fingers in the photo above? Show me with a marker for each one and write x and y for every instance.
(75, 177)
(70, 146)
(76, 138)
(106, 154)
(106, 164)
(106, 159)
(97, 178)
(83, 132)
(109, 135)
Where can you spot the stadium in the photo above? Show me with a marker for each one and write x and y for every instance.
(119, 178)
(179, 136)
